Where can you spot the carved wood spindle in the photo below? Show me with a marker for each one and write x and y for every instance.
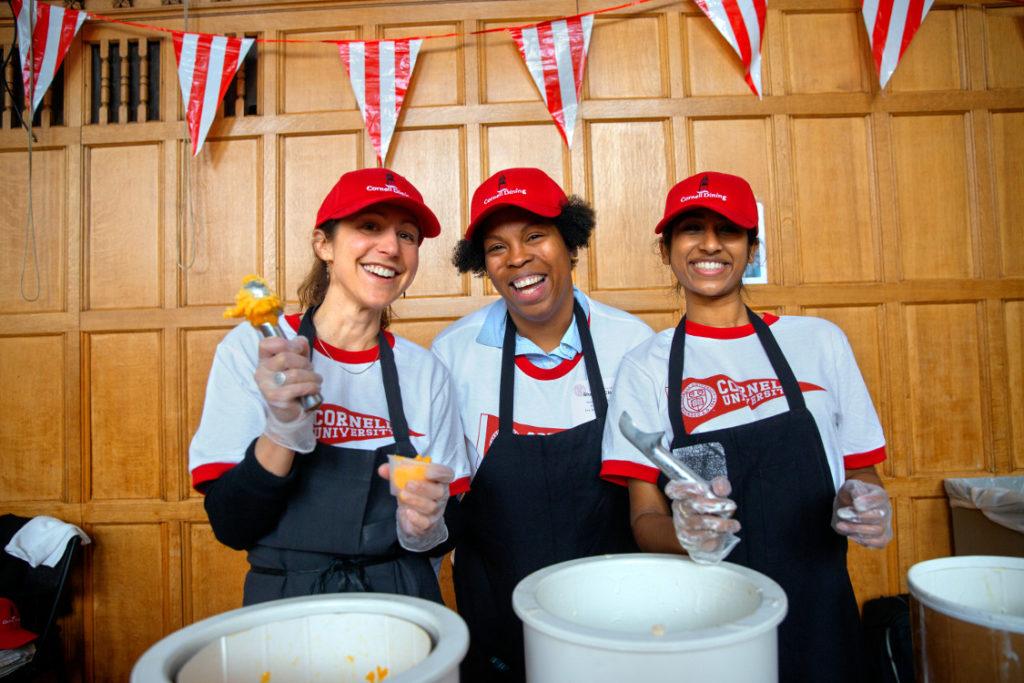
(240, 91)
(104, 81)
(143, 80)
(5, 101)
(122, 109)
(46, 115)
(222, 106)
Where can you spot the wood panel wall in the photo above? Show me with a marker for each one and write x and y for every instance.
(896, 214)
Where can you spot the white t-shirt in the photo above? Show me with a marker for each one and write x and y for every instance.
(546, 401)
(354, 413)
(728, 381)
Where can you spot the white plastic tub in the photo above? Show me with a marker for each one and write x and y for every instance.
(968, 618)
(649, 618)
(338, 637)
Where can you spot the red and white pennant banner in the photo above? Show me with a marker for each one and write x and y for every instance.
(555, 53)
(891, 25)
(741, 23)
(379, 72)
(206, 65)
(48, 31)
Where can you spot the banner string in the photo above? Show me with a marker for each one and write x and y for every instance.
(30, 225)
(148, 27)
(190, 214)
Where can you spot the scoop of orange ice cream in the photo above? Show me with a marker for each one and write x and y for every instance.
(404, 470)
(256, 311)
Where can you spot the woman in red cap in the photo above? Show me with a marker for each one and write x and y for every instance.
(774, 413)
(531, 373)
(305, 492)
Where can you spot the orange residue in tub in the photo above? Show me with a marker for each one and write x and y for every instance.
(256, 311)
(378, 675)
(350, 659)
(265, 678)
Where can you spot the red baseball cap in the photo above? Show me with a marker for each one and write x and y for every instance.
(728, 195)
(357, 190)
(12, 635)
(527, 188)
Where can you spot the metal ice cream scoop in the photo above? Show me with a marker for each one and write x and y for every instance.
(650, 444)
(259, 290)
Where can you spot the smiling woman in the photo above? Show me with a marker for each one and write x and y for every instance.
(772, 411)
(383, 396)
(531, 411)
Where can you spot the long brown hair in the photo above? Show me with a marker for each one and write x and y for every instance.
(314, 286)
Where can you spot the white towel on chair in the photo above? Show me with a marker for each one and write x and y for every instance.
(42, 540)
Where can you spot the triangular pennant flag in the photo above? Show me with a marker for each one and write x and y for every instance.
(741, 23)
(555, 53)
(380, 72)
(49, 31)
(891, 25)
(206, 65)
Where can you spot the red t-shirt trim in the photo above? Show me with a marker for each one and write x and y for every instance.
(459, 486)
(560, 370)
(857, 460)
(545, 374)
(699, 330)
(209, 472)
(621, 471)
(341, 355)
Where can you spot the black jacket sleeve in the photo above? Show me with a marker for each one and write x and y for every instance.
(246, 501)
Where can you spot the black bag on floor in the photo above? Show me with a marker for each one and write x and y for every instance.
(888, 648)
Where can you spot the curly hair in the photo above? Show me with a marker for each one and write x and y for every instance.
(574, 223)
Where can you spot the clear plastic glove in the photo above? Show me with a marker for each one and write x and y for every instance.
(419, 521)
(703, 524)
(285, 373)
(863, 512)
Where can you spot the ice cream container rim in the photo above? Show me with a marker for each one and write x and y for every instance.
(951, 608)
(767, 616)
(162, 661)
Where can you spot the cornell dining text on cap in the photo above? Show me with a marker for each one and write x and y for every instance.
(527, 188)
(357, 190)
(725, 194)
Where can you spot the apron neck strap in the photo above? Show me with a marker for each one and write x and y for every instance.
(597, 393)
(790, 387)
(388, 371)
(392, 391)
(508, 351)
(506, 390)
(677, 353)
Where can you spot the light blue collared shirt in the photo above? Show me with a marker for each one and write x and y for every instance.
(493, 334)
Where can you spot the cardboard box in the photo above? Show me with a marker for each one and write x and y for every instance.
(976, 534)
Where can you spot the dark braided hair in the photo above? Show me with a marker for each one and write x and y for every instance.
(574, 223)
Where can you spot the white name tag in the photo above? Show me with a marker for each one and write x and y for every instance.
(583, 403)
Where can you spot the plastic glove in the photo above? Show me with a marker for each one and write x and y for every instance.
(702, 523)
(419, 521)
(863, 512)
(285, 373)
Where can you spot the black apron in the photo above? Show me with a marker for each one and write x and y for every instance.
(783, 490)
(337, 532)
(534, 502)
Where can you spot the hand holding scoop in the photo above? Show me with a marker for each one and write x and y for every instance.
(720, 545)
(261, 307)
